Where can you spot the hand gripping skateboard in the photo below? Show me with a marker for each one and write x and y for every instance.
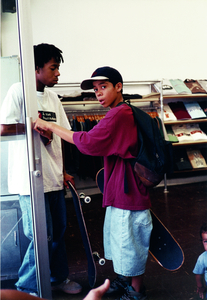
(163, 246)
(91, 256)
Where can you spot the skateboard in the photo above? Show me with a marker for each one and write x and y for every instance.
(163, 246)
(86, 242)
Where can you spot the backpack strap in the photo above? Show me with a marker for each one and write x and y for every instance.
(126, 186)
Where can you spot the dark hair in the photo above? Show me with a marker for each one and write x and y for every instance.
(44, 53)
(203, 229)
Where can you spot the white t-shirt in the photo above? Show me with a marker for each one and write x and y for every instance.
(201, 265)
(12, 112)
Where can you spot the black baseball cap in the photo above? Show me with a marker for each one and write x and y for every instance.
(103, 73)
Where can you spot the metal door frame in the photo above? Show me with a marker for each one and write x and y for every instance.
(33, 145)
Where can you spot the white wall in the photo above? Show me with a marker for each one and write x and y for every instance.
(143, 39)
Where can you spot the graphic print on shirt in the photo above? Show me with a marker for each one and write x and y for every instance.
(48, 116)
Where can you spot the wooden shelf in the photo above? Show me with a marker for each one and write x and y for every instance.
(189, 143)
(191, 96)
(146, 98)
(187, 121)
(64, 103)
(193, 170)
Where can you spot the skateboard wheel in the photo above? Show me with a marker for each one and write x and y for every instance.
(97, 257)
(101, 261)
(87, 199)
(84, 198)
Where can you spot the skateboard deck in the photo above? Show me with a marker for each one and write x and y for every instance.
(163, 246)
(84, 234)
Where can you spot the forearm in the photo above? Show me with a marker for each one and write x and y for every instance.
(43, 126)
(200, 286)
(66, 176)
(64, 133)
(12, 129)
(199, 280)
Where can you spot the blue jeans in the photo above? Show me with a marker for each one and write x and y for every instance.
(56, 225)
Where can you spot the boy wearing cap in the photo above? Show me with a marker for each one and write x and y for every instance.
(128, 223)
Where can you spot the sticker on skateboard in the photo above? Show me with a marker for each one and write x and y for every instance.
(163, 246)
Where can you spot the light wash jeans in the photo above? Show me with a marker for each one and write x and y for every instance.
(126, 240)
(56, 225)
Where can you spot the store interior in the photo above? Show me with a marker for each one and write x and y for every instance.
(146, 41)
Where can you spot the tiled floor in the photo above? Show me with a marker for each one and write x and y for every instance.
(183, 209)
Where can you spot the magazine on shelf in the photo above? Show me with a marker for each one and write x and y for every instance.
(196, 159)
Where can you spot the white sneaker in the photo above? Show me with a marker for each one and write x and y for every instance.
(33, 294)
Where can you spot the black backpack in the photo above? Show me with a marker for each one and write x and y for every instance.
(155, 154)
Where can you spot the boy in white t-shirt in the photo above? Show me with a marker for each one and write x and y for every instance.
(47, 62)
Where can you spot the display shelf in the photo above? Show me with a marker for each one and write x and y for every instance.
(147, 98)
(184, 96)
(191, 171)
(187, 121)
(189, 143)
(179, 147)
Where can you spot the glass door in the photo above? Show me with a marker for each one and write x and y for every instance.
(24, 248)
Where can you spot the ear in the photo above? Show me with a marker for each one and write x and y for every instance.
(37, 70)
(119, 86)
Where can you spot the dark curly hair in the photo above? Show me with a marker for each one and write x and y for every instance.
(44, 53)
(203, 229)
